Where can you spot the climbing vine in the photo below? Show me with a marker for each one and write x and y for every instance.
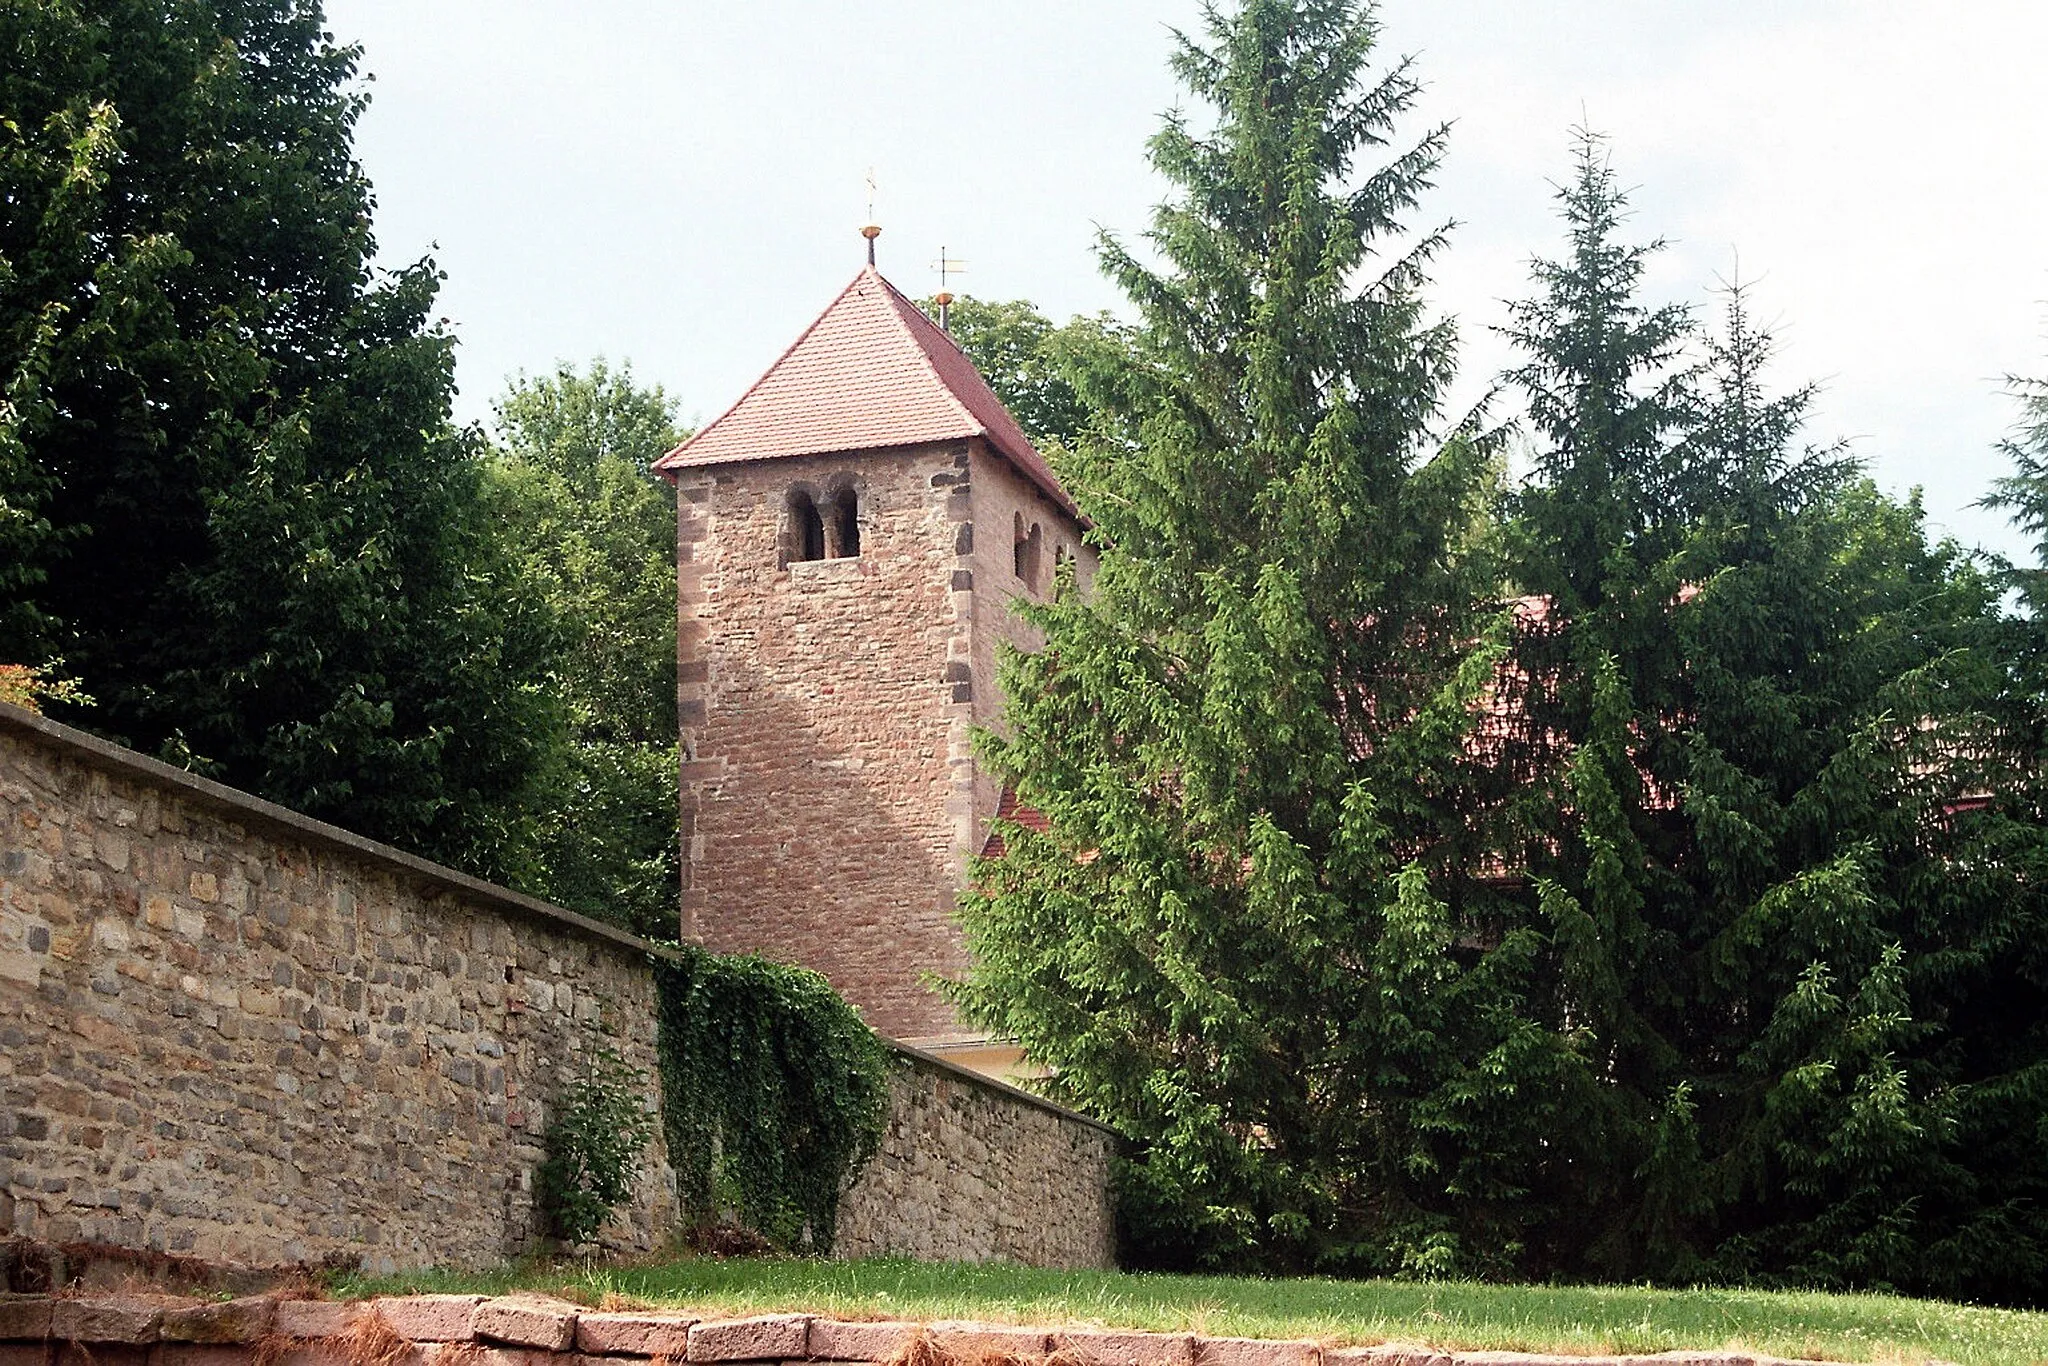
(773, 1093)
(594, 1142)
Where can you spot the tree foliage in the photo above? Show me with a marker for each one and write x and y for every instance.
(231, 499)
(1027, 360)
(1241, 937)
(595, 535)
(1758, 732)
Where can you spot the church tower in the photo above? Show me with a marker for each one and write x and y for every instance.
(850, 537)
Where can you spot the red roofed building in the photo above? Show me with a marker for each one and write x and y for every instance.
(850, 536)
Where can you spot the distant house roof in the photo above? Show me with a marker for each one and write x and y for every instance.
(870, 373)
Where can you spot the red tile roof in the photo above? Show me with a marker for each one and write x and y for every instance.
(871, 372)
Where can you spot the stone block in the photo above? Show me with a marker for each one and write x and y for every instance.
(315, 1318)
(476, 1354)
(200, 1354)
(25, 1319)
(242, 1320)
(109, 1321)
(546, 1324)
(768, 1337)
(641, 1335)
(833, 1340)
(1255, 1352)
(321, 1352)
(1687, 1358)
(966, 1338)
(1387, 1354)
(24, 1354)
(101, 1354)
(1094, 1347)
(1526, 1359)
(430, 1318)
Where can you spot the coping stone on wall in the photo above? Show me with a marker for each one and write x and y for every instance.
(259, 812)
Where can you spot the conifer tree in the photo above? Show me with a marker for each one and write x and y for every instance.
(1247, 936)
(1758, 716)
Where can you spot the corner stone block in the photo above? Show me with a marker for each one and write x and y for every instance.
(965, 1338)
(1125, 1349)
(24, 1320)
(549, 1325)
(771, 1337)
(315, 1318)
(243, 1320)
(430, 1318)
(113, 1321)
(1255, 1352)
(832, 1340)
(640, 1335)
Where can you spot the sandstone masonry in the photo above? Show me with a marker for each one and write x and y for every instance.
(830, 795)
(522, 1330)
(973, 1170)
(231, 1032)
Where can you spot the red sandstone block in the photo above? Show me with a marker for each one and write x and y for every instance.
(243, 1320)
(430, 1318)
(832, 1340)
(640, 1335)
(24, 1354)
(122, 1321)
(974, 1340)
(1255, 1352)
(473, 1354)
(315, 1318)
(199, 1354)
(329, 1352)
(547, 1324)
(771, 1337)
(1387, 1354)
(1528, 1359)
(1099, 1348)
(24, 1320)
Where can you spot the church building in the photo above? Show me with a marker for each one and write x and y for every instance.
(851, 535)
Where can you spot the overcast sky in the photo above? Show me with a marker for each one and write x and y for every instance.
(679, 183)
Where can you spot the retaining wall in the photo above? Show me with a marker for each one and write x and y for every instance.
(231, 1032)
(468, 1330)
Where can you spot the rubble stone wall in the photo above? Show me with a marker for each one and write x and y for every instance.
(231, 1032)
(973, 1170)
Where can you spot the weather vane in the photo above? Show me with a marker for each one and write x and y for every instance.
(946, 266)
(871, 229)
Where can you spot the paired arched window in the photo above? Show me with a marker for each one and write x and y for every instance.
(1026, 549)
(815, 528)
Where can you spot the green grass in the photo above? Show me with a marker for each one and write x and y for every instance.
(1574, 1319)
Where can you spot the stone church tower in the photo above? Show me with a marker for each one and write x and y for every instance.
(850, 536)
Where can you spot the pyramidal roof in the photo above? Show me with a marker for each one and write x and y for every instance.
(872, 372)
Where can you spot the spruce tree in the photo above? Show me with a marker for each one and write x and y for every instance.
(1250, 936)
(1760, 731)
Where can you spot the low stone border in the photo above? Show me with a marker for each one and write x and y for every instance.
(531, 1330)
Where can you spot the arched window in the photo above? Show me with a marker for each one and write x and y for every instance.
(842, 524)
(803, 529)
(1025, 549)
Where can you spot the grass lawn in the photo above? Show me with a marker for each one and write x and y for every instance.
(1576, 1319)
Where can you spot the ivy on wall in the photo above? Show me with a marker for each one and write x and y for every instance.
(773, 1093)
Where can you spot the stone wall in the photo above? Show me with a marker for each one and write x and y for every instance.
(973, 1170)
(231, 1032)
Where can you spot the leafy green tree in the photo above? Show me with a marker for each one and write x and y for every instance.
(1026, 360)
(235, 506)
(597, 534)
(1244, 937)
(1757, 731)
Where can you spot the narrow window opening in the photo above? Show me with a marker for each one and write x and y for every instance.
(803, 532)
(1025, 550)
(843, 530)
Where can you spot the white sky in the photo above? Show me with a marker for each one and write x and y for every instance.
(679, 183)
